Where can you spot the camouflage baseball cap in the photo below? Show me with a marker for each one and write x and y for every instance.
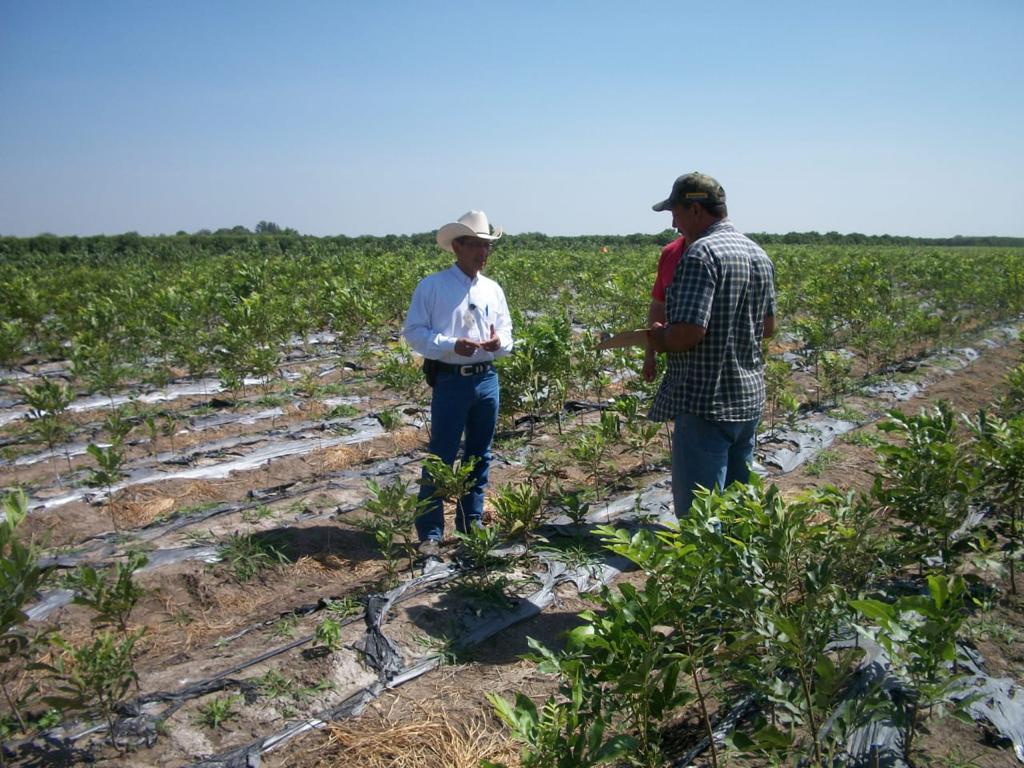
(693, 187)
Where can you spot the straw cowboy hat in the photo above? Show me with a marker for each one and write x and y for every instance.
(472, 224)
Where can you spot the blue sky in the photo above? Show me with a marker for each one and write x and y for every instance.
(560, 117)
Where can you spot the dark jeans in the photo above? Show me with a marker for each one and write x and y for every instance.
(709, 454)
(460, 404)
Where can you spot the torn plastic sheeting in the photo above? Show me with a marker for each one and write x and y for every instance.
(164, 557)
(380, 651)
(356, 703)
(249, 755)
(58, 598)
(12, 374)
(879, 742)
(195, 425)
(106, 547)
(202, 387)
(1000, 701)
(898, 390)
(583, 406)
(50, 602)
(653, 505)
(303, 431)
(534, 604)
(949, 360)
(12, 415)
(200, 423)
(173, 392)
(56, 501)
(68, 451)
(334, 402)
(370, 428)
(110, 545)
(724, 727)
(815, 433)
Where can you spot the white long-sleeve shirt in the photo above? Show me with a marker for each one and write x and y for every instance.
(449, 305)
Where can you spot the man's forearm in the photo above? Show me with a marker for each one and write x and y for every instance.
(677, 337)
(656, 312)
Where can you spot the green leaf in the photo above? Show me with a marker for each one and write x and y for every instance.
(874, 609)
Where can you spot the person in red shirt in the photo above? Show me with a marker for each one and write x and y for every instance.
(667, 263)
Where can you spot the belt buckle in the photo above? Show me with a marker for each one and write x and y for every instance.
(467, 370)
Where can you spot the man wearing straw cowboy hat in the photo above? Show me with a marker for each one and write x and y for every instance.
(459, 321)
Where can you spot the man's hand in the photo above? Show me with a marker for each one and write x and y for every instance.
(650, 365)
(493, 344)
(466, 348)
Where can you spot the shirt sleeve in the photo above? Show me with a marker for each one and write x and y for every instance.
(503, 325)
(419, 331)
(693, 293)
(667, 262)
(660, 283)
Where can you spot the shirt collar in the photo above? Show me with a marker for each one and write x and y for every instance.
(462, 277)
(718, 226)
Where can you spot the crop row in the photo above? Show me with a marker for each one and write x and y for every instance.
(138, 315)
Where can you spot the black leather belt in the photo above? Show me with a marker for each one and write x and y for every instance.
(473, 369)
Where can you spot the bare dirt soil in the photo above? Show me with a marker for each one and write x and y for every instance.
(250, 637)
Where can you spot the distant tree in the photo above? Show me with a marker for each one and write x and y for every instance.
(267, 228)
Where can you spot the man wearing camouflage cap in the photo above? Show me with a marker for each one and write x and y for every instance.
(719, 306)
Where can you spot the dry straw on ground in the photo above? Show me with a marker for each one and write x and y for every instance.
(435, 740)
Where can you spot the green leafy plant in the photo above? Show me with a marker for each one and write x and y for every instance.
(919, 634)
(48, 403)
(249, 555)
(817, 466)
(640, 433)
(328, 634)
(107, 472)
(216, 712)
(95, 676)
(590, 447)
(343, 608)
(451, 481)
(445, 647)
(999, 446)
(929, 481)
(781, 403)
(478, 543)
(285, 626)
(390, 419)
(1013, 401)
(833, 376)
(518, 510)
(791, 565)
(117, 424)
(566, 732)
(112, 595)
(20, 577)
(399, 371)
(393, 510)
(633, 663)
(534, 378)
(576, 506)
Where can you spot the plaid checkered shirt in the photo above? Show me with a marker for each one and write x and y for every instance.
(726, 284)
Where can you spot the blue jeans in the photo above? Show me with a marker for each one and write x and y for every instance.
(709, 454)
(460, 404)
